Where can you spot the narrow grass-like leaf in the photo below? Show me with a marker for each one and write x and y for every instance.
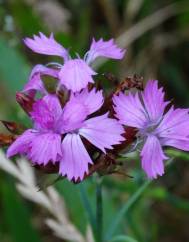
(124, 210)
(123, 238)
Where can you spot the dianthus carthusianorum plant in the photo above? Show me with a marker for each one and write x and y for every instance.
(77, 130)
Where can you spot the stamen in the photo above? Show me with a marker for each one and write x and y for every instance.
(54, 64)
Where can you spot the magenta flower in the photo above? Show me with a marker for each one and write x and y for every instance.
(57, 133)
(75, 74)
(146, 112)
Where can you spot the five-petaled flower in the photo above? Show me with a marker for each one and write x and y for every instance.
(146, 111)
(58, 132)
(74, 74)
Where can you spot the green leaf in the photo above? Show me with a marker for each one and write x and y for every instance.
(177, 154)
(123, 238)
(87, 205)
(72, 197)
(120, 215)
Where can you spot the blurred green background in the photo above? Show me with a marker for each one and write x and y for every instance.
(156, 36)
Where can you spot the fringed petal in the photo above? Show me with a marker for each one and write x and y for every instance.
(152, 157)
(102, 132)
(75, 161)
(129, 110)
(103, 48)
(46, 45)
(22, 144)
(75, 75)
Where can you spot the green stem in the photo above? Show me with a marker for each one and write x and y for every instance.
(124, 210)
(87, 205)
(99, 211)
(177, 154)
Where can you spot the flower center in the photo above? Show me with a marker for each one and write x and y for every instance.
(149, 128)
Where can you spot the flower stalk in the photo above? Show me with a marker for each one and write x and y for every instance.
(99, 210)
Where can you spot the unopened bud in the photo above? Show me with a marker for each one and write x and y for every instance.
(13, 127)
(25, 101)
(6, 140)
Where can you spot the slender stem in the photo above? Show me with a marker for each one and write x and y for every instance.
(87, 205)
(99, 211)
(121, 214)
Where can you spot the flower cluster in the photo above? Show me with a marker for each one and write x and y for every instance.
(72, 131)
(60, 131)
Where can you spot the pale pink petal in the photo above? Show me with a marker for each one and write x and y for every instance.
(104, 49)
(102, 132)
(22, 144)
(75, 160)
(46, 147)
(46, 45)
(73, 115)
(92, 100)
(35, 83)
(174, 128)
(152, 157)
(75, 75)
(153, 98)
(129, 110)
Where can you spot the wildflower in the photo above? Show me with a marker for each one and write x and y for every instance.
(57, 134)
(146, 111)
(76, 73)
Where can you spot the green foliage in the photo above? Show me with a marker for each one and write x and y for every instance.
(13, 67)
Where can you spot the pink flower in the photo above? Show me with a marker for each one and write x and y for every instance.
(75, 74)
(146, 111)
(57, 134)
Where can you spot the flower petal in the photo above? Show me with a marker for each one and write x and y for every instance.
(177, 143)
(93, 100)
(153, 98)
(22, 144)
(102, 132)
(74, 163)
(105, 49)
(45, 147)
(75, 75)
(73, 115)
(152, 157)
(174, 128)
(53, 104)
(35, 83)
(46, 45)
(129, 110)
